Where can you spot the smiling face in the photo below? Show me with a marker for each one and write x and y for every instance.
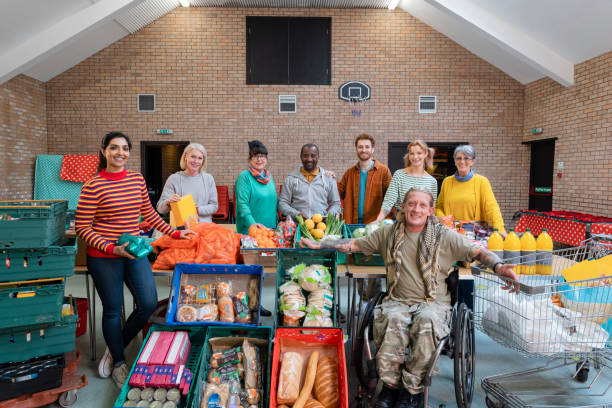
(417, 208)
(364, 150)
(310, 158)
(117, 154)
(417, 156)
(464, 163)
(259, 162)
(193, 162)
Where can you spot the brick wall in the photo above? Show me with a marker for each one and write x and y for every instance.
(193, 59)
(581, 117)
(23, 135)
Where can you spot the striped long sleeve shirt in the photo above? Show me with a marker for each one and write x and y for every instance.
(111, 204)
(401, 182)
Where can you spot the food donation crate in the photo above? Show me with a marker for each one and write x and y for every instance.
(32, 223)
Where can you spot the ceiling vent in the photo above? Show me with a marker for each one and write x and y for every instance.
(146, 103)
(427, 104)
(287, 104)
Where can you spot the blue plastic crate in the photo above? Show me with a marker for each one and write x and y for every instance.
(237, 274)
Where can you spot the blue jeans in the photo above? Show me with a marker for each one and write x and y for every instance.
(108, 275)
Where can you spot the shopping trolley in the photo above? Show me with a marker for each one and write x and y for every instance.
(569, 323)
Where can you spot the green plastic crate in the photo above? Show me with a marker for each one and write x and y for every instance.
(359, 258)
(39, 224)
(292, 257)
(31, 303)
(56, 261)
(24, 343)
(197, 335)
(265, 333)
(340, 256)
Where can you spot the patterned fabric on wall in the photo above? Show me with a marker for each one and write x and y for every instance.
(48, 183)
(79, 167)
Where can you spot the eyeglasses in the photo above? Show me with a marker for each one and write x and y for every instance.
(463, 159)
(260, 157)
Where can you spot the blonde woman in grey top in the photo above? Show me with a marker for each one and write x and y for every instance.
(417, 159)
(192, 180)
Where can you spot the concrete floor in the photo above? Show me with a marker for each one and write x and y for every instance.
(491, 359)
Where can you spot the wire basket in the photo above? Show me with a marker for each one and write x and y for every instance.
(549, 317)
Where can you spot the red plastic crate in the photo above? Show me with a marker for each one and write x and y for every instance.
(82, 306)
(313, 336)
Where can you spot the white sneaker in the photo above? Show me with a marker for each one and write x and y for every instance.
(120, 375)
(105, 368)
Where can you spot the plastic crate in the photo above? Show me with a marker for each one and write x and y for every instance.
(24, 343)
(81, 306)
(359, 258)
(265, 333)
(56, 261)
(197, 335)
(30, 377)
(285, 337)
(237, 274)
(39, 224)
(290, 258)
(31, 302)
(340, 256)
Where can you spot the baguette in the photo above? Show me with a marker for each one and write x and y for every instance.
(313, 403)
(311, 372)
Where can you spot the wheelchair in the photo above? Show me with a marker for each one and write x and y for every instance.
(459, 345)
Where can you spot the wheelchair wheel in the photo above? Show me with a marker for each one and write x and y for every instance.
(464, 356)
(360, 359)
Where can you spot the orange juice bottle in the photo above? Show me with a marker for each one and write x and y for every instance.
(544, 247)
(512, 249)
(495, 244)
(528, 253)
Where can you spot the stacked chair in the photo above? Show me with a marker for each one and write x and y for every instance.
(38, 357)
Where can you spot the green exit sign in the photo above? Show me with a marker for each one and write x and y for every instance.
(164, 131)
(543, 189)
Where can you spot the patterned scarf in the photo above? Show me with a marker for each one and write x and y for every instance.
(262, 178)
(428, 250)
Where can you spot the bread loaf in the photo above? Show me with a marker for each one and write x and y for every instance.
(313, 403)
(326, 383)
(289, 378)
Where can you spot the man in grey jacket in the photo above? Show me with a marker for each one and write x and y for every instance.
(310, 189)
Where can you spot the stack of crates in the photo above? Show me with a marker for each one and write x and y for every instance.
(35, 260)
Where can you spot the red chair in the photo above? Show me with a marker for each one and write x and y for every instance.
(222, 213)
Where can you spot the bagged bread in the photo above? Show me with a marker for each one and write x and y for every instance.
(186, 313)
(289, 378)
(326, 383)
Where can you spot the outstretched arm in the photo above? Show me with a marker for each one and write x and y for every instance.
(490, 260)
(342, 245)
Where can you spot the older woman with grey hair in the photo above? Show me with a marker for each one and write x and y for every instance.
(468, 196)
(193, 180)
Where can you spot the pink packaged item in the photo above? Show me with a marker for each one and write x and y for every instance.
(178, 352)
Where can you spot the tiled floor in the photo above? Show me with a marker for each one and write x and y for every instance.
(491, 359)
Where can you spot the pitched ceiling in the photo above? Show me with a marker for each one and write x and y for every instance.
(526, 39)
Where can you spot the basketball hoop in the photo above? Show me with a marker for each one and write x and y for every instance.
(357, 105)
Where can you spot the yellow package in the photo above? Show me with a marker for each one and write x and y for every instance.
(589, 269)
(183, 211)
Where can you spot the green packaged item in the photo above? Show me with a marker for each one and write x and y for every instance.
(137, 246)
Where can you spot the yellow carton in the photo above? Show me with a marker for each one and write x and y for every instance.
(183, 212)
(589, 269)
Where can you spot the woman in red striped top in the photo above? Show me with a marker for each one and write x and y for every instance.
(111, 204)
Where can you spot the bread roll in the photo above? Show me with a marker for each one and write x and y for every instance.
(326, 383)
(313, 403)
(289, 378)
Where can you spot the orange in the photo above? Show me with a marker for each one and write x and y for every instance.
(317, 233)
(317, 218)
(322, 226)
(309, 224)
(253, 230)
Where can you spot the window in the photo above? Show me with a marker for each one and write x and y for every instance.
(288, 51)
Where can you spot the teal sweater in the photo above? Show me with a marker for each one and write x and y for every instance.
(255, 202)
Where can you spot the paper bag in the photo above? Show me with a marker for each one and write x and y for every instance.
(183, 212)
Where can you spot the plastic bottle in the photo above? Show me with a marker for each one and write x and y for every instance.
(495, 244)
(528, 253)
(512, 249)
(544, 247)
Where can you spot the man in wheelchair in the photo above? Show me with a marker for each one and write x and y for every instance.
(418, 252)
